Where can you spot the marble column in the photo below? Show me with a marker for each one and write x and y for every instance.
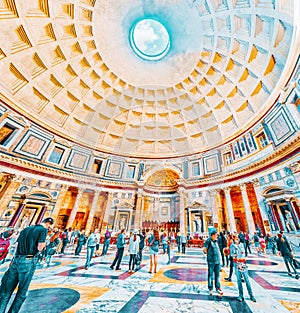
(75, 208)
(260, 200)
(138, 210)
(59, 202)
(230, 213)
(142, 211)
(249, 217)
(182, 207)
(90, 219)
(293, 214)
(12, 185)
(215, 201)
(107, 209)
(18, 212)
(41, 215)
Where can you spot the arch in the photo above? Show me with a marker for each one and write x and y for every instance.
(161, 167)
(272, 190)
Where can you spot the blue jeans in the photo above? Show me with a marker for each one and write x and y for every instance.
(19, 274)
(105, 248)
(118, 258)
(89, 254)
(214, 270)
(239, 276)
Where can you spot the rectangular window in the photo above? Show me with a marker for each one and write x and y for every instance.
(196, 169)
(7, 132)
(56, 155)
(262, 140)
(278, 175)
(227, 158)
(270, 177)
(262, 181)
(97, 166)
(236, 150)
(130, 171)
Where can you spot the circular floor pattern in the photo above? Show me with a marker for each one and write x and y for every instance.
(261, 262)
(187, 274)
(49, 300)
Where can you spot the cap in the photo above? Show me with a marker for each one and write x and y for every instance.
(49, 220)
(135, 232)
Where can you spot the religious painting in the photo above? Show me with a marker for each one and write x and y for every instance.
(114, 168)
(33, 145)
(280, 127)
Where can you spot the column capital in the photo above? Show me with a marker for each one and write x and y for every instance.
(214, 192)
(243, 187)
(227, 189)
(255, 182)
(110, 195)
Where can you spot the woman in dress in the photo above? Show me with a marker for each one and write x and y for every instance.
(153, 243)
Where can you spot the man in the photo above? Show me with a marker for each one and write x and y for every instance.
(121, 242)
(285, 250)
(212, 250)
(106, 242)
(31, 241)
(93, 240)
(80, 242)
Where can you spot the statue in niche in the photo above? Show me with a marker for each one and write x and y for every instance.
(198, 224)
(122, 222)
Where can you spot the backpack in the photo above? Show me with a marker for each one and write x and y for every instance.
(4, 246)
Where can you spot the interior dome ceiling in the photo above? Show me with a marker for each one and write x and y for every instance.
(69, 66)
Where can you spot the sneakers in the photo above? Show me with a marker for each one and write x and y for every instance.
(210, 292)
(297, 276)
(227, 279)
(252, 299)
(240, 299)
(111, 267)
(220, 291)
(290, 274)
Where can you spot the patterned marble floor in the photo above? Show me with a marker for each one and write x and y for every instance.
(181, 286)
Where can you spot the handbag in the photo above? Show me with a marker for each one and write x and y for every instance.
(296, 263)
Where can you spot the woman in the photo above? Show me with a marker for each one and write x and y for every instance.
(81, 240)
(134, 243)
(229, 243)
(237, 251)
(153, 243)
(51, 247)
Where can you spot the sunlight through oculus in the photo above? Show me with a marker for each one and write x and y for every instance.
(149, 40)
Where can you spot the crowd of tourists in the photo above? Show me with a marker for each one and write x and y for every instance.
(222, 249)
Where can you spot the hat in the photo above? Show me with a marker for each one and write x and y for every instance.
(49, 220)
(135, 232)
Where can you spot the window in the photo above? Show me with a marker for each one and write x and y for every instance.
(7, 132)
(56, 155)
(196, 169)
(130, 171)
(227, 158)
(97, 166)
(236, 150)
(278, 175)
(262, 140)
(243, 146)
(288, 171)
(262, 181)
(270, 177)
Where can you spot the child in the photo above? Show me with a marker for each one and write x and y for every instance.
(237, 251)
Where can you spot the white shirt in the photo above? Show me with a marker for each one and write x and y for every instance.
(134, 245)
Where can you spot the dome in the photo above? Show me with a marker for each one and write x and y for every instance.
(70, 67)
